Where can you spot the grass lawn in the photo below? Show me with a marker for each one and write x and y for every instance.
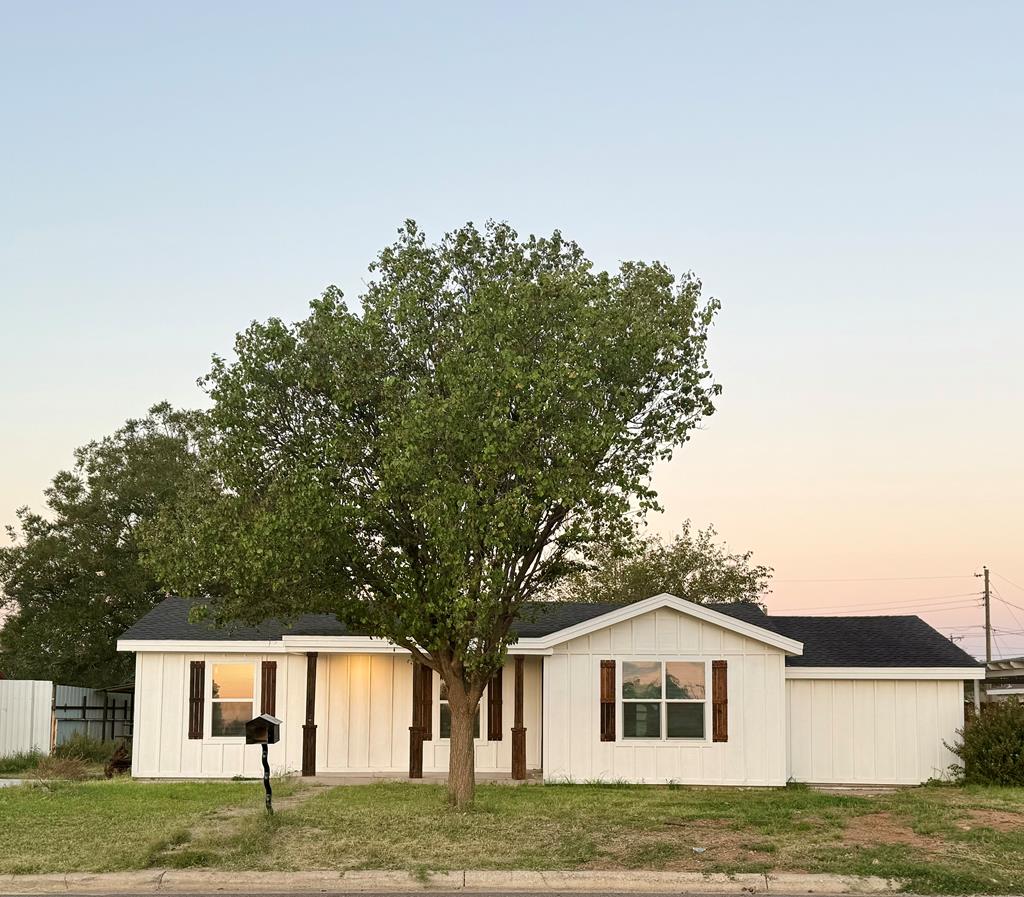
(105, 826)
(939, 839)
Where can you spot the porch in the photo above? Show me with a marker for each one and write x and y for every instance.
(381, 716)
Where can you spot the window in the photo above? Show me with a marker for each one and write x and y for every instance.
(663, 699)
(446, 714)
(231, 699)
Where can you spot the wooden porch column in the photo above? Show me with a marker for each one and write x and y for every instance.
(309, 729)
(417, 730)
(518, 730)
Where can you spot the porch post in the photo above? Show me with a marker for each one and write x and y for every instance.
(518, 731)
(977, 697)
(309, 729)
(418, 727)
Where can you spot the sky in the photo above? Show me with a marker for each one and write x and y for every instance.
(845, 178)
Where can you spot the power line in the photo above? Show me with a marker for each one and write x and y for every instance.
(908, 602)
(1010, 581)
(895, 611)
(881, 578)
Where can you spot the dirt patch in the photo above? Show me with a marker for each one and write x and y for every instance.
(873, 829)
(680, 846)
(1000, 820)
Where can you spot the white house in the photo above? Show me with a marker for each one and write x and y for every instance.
(658, 691)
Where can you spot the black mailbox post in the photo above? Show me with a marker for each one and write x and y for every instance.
(264, 730)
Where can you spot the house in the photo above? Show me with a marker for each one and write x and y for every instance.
(663, 690)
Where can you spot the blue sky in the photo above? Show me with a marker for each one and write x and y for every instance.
(846, 179)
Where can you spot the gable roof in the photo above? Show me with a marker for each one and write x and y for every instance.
(901, 642)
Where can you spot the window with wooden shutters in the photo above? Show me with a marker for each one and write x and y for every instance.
(607, 700)
(231, 699)
(196, 697)
(719, 701)
(494, 708)
(268, 687)
(663, 699)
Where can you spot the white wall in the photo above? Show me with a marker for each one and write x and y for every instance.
(755, 751)
(855, 731)
(161, 746)
(363, 714)
(25, 715)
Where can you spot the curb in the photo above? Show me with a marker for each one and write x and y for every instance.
(192, 881)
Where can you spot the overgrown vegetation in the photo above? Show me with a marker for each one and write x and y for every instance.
(14, 764)
(991, 747)
(940, 839)
(82, 747)
(77, 758)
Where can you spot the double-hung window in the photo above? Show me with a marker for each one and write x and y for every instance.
(663, 700)
(231, 698)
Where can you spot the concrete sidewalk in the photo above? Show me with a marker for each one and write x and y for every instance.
(207, 881)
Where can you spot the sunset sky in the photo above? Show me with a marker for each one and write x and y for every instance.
(846, 180)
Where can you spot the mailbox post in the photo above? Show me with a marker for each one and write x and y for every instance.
(264, 730)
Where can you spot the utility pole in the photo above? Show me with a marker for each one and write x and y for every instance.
(988, 617)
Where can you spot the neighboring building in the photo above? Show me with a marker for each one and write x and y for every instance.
(1004, 679)
(658, 691)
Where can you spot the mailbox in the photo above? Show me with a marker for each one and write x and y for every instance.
(264, 729)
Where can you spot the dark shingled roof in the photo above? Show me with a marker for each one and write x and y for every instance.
(828, 641)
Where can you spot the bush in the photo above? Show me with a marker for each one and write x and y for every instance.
(82, 747)
(69, 768)
(13, 764)
(991, 748)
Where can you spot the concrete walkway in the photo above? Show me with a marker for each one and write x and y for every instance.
(207, 881)
(10, 783)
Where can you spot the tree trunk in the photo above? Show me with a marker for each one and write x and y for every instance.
(462, 749)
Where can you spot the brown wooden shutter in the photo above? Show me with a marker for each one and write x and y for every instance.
(426, 714)
(268, 687)
(607, 700)
(196, 697)
(494, 726)
(719, 701)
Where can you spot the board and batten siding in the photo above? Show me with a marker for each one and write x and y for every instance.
(872, 731)
(368, 701)
(755, 751)
(161, 747)
(363, 714)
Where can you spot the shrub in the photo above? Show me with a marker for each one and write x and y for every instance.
(13, 764)
(82, 747)
(991, 747)
(69, 768)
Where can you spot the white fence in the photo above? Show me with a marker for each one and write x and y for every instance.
(35, 715)
(25, 708)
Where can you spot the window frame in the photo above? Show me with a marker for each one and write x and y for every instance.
(481, 709)
(209, 699)
(663, 701)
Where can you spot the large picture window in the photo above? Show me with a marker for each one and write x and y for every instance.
(445, 728)
(231, 699)
(663, 699)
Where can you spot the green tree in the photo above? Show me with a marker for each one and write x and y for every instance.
(71, 581)
(425, 467)
(691, 565)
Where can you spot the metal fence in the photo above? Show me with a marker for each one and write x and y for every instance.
(36, 715)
